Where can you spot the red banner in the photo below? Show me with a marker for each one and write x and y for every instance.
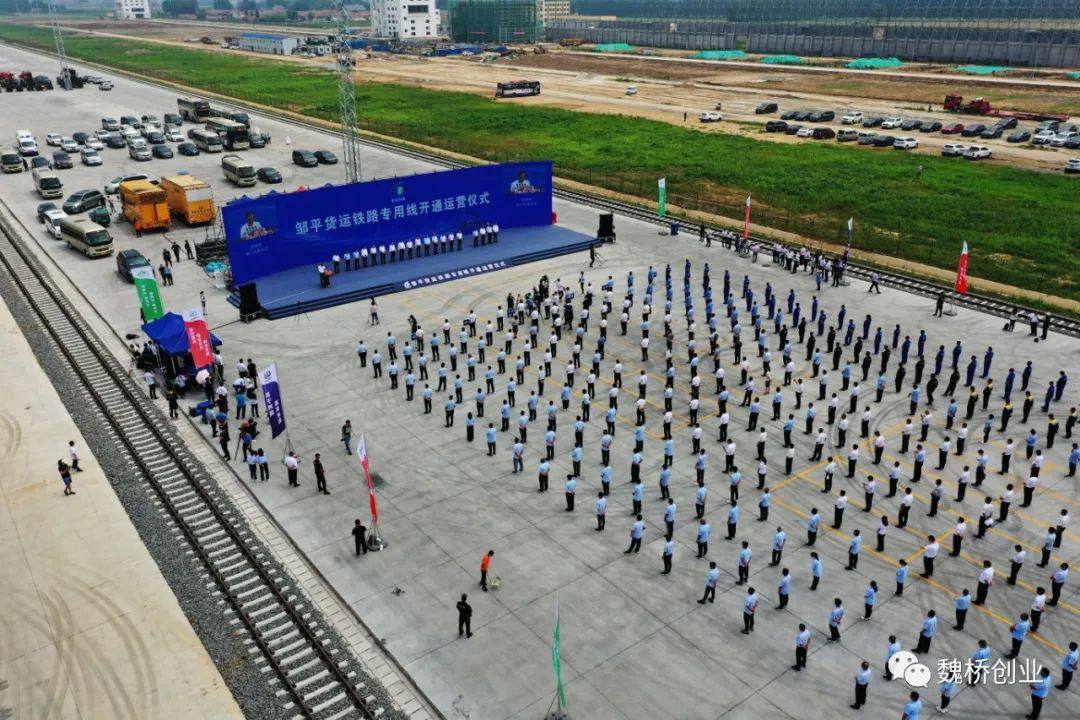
(361, 451)
(746, 221)
(202, 351)
(961, 272)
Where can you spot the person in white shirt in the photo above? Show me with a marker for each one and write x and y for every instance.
(73, 454)
(986, 579)
(495, 232)
(337, 263)
(930, 553)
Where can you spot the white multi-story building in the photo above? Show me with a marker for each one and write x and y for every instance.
(553, 10)
(132, 9)
(404, 18)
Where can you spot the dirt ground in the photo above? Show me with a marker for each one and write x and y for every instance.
(677, 92)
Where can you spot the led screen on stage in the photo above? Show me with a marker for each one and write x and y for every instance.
(275, 232)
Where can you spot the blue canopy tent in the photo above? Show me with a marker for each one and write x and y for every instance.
(170, 338)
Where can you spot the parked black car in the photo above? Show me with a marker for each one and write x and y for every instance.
(765, 108)
(161, 152)
(991, 133)
(304, 158)
(1019, 136)
(884, 141)
(775, 126)
(115, 140)
(269, 175)
(872, 122)
(911, 124)
(128, 260)
(61, 160)
(789, 114)
(930, 126)
(326, 157)
(1008, 123)
(792, 128)
(188, 149)
(973, 130)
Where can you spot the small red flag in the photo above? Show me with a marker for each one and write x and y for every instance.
(961, 272)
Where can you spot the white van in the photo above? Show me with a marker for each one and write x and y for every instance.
(47, 183)
(238, 170)
(52, 223)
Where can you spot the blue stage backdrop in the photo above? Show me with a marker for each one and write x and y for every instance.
(275, 232)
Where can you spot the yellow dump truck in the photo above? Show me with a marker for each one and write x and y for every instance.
(144, 202)
(189, 198)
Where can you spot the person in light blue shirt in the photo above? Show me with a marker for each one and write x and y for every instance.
(601, 511)
(637, 495)
(764, 503)
(669, 516)
(491, 435)
(1017, 634)
(926, 634)
(605, 479)
(1068, 666)
(894, 647)
(518, 450)
(784, 590)
(570, 488)
(1040, 689)
(699, 499)
(779, 539)
(862, 682)
(854, 547)
(948, 688)
(813, 523)
(913, 707)
(669, 453)
(744, 563)
(732, 520)
(815, 570)
(836, 616)
(869, 600)
(980, 663)
(575, 458)
(963, 602)
(543, 470)
(802, 645)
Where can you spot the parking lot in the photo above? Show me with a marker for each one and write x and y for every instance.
(634, 645)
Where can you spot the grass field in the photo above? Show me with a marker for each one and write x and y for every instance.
(1023, 227)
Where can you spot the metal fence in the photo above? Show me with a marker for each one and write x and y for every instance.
(1014, 32)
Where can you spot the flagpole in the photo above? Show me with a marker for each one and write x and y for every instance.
(556, 662)
(375, 541)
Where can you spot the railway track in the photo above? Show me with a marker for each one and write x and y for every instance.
(918, 286)
(305, 667)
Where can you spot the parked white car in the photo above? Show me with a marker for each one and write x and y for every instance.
(1063, 137)
(905, 143)
(892, 122)
(710, 116)
(952, 150)
(1043, 137)
(94, 144)
(1072, 166)
(805, 132)
(90, 157)
(53, 139)
(852, 118)
(977, 152)
(632, 90)
(173, 134)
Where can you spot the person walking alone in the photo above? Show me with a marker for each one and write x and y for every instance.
(464, 616)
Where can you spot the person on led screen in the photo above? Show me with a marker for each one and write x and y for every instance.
(522, 185)
(252, 228)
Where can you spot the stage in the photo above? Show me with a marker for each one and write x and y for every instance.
(294, 291)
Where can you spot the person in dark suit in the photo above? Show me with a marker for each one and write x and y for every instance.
(464, 617)
(359, 533)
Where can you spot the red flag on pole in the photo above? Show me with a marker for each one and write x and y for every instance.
(361, 450)
(746, 221)
(961, 272)
(198, 334)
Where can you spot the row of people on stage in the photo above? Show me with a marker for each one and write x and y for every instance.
(408, 249)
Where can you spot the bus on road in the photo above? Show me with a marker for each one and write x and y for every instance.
(205, 140)
(238, 170)
(193, 109)
(86, 236)
(517, 88)
(234, 135)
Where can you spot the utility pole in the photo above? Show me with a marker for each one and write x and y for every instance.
(350, 130)
(61, 54)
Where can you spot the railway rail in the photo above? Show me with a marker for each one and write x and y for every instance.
(306, 669)
(985, 303)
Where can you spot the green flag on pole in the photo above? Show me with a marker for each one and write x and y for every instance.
(555, 660)
(661, 185)
(147, 288)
